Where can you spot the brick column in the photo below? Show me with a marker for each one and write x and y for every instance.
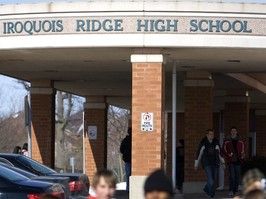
(260, 132)
(236, 113)
(147, 96)
(43, 122)
(95, 110)
(198, 118)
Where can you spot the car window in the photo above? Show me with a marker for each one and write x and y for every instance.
(4, 161)
(40, 168)
(11, 175)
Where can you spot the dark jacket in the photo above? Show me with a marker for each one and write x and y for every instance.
(229, 152)
(125, 148)
(203, 155)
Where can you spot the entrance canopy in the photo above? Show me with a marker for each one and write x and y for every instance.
(85, 47)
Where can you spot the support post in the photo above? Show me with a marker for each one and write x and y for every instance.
(174, 125)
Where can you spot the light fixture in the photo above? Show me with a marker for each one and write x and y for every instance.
(188, 66)
(233, 60)
(15, 60)
(51, 71)
(126, 60)
(90, 61)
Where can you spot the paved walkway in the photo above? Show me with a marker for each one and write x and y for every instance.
(219, 195)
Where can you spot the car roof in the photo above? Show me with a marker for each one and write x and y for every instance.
(10, 154)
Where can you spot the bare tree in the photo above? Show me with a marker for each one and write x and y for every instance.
(66, 105)
(62, 117)
(117, 130)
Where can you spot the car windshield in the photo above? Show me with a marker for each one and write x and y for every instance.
(11, 175)
(40, 168)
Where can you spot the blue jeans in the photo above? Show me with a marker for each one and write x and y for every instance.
(234, 175)
(128, 173)
(210, 171)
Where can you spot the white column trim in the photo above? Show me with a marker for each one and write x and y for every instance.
(147, 58)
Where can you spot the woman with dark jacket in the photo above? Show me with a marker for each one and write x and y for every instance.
(17, 150)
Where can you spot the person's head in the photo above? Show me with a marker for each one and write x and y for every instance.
(104, 184)
(233, 132)
(17, 150)
(181, 142)
(158, 186)
(255, 194)
(210, 134)
(25, 146)
(252, 180)
(129, 131)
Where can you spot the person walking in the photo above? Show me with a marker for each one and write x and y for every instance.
(180, 165)
(25, 149)
(158, 186)
(234, 152)
(17, 150)
(103, 184)
(209, 154)
(125, 149)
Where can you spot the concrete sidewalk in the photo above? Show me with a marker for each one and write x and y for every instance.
(219, 195)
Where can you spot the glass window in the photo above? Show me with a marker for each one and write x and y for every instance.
(40, 168)
(11, 175)
(4, 161)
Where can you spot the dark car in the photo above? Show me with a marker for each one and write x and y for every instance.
(60, 180)
(16, 186)
(78, 183)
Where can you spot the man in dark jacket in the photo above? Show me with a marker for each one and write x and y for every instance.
(125, 149)
(180, 165)
(209, 154)
(233, 149)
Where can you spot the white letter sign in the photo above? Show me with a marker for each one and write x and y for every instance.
(147, 121)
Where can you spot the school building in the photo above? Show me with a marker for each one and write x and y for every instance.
(179, 66)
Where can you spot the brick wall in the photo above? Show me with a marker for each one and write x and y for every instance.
(198, 118)
(237, 114)
(95, 150)
(180, 128)
(216, 124)
(43, 130)
(147, 96)
(261, 134)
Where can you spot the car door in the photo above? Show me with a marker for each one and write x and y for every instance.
(2, 195)
(4, 188)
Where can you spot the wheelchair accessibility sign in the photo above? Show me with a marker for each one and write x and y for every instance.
(147, 121)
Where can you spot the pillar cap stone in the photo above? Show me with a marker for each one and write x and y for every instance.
(198, 83)
(43, 91)
(148, 58)
(260, 112)
(237, 99)
(87, 105)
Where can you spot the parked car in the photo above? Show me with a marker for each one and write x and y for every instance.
(63, 181)
(16, 186)
(78, 183)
